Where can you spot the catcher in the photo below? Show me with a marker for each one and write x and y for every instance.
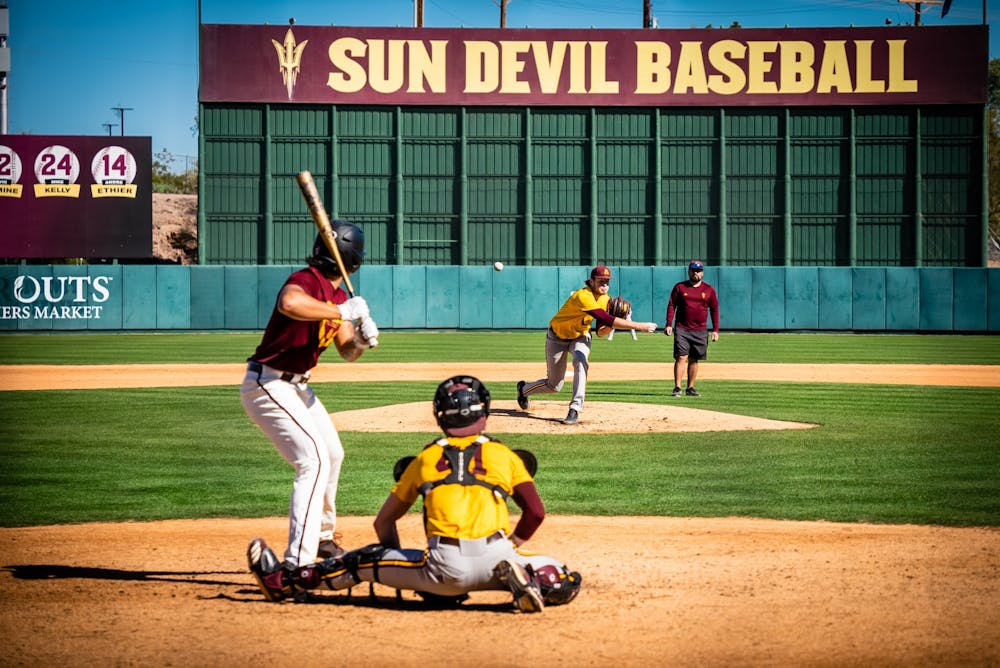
(465, 479)
(569, 334)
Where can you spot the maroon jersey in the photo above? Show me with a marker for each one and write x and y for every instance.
(692, 305)
(295, 345)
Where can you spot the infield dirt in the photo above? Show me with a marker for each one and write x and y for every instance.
(657, 590)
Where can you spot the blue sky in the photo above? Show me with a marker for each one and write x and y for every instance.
(73, 60)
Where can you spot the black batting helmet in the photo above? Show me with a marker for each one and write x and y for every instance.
(350, 243)
(461, 406)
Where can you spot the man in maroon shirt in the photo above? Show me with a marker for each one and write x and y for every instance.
(692, 301)
(311, 312)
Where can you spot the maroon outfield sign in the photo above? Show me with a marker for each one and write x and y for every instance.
(75, 196)
(461, 66)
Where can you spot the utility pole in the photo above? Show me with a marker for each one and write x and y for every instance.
(108, 126)
(503, 12)
(121, 113)
(4, 63)
(647, 13)
(418, 13)
(918, 8)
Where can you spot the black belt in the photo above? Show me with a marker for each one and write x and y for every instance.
(492, 538)
(286, 376)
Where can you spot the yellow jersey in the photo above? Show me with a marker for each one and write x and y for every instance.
(464, 510)
(572, 320)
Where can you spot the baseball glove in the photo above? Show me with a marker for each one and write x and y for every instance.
(619, 307)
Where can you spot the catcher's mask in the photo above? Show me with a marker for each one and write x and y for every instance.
(461, 406)
(350, 243)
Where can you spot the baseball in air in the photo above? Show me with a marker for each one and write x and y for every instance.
(498, 266)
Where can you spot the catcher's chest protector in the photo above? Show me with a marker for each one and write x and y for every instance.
(458, 460)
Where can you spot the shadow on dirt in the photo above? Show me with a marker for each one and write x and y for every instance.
(62, 572)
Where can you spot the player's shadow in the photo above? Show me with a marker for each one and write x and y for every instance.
(518, 413)
(408, 601)
(348, 597)
(62, 572)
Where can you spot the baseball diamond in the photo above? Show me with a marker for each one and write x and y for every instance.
(706, 591)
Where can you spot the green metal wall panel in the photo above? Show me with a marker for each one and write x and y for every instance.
(970, 299)
(936, 293)
(239, 121)
(208, 297)
(868, 294)
(492, 240)
(173, 297)
(902, 298)
(835, 305)
(623, 241)
(801, 298)
(695, 181)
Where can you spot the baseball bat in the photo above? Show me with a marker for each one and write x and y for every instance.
(318, 213)
(322, 221)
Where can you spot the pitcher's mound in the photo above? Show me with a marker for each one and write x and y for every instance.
(600, 417)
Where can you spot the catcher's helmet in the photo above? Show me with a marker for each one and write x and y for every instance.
(461, 406)
(350, 243)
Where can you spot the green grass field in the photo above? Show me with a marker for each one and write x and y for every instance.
(883, 453)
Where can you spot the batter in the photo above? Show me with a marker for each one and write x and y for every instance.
(311, 313)
(465, 479)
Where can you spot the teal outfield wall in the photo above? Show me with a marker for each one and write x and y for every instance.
(148, 297)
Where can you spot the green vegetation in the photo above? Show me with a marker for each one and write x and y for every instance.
(887, 454)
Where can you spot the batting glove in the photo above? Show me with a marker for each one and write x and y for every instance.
(369, 330)
(354, 308)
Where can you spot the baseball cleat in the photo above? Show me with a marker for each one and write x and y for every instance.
(677, 392)
(572, 417)
(691, 392)
(329, 549)
(522, 398)
(527, 596)
(273, 580)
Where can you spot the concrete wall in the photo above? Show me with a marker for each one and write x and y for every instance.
(159, 297)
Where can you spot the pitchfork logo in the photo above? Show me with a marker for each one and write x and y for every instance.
(289, 59)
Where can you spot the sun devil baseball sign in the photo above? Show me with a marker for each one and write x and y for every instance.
(75, 196)
(420, 66)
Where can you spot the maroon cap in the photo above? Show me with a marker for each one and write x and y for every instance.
(600, 271)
